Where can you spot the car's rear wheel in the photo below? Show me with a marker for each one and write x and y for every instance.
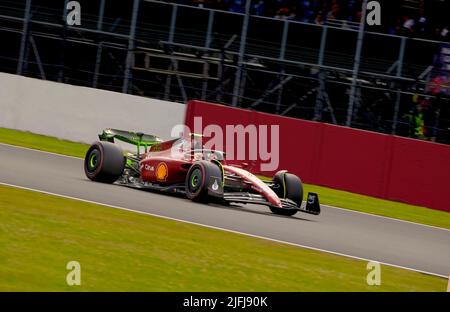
(104, 162)
(287, 186)
(198, 178)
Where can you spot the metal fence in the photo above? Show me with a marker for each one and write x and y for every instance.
(177, 52)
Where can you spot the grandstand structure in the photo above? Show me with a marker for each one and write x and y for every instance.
(343, 73)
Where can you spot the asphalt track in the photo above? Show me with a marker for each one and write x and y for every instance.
(359, 235)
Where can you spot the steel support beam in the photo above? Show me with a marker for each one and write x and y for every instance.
(23, 43)
(98, 58)
(243, 83)
(131, 45)
(237, 81)
(320, 96)
(27, 55)
(282, 55)
(37, 57)
(399, 74)
(356, 64)
(180, 81)
(207, 46)
(62, 61)
(173, 22)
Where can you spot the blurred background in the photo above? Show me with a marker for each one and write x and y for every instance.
(308, 59)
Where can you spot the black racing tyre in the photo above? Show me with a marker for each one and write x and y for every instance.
(289, 186)
(197, 180)
(104, 162)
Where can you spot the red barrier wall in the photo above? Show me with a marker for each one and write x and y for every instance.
(384, 166)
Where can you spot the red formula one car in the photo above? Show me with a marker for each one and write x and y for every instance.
(183, 166)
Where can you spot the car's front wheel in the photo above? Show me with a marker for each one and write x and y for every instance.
(199, 178)
(288, 186)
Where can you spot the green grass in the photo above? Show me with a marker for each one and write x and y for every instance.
(328, 196)
(381, 207)
(42, 142)
(125, 251)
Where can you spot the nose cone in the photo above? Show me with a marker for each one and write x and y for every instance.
(273, 198)
(258, 185)
(268, 193)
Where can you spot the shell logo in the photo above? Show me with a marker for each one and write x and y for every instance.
(162, 172)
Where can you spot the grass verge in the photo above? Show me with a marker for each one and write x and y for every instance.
(328, 196)
(381, 207)
(125, 251)
(42, 142)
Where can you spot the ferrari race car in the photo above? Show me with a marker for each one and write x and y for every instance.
(184, 166)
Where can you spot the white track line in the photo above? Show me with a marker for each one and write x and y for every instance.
(334, 207)
(221, 229)
(390, 218)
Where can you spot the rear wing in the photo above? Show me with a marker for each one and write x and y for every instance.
(135, 138)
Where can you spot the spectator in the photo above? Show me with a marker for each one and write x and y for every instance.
(444, 33)
(258, 8)
(333, 14)
(422, 26)
(306, 11)
(349, 12)
(285, 13)
(237, 6)
(319, 19)
(408, 25)
(200, 3)
(415, 118)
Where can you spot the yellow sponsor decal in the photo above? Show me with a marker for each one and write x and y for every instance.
(162, 172)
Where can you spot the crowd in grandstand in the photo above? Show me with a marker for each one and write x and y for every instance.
(423, 22)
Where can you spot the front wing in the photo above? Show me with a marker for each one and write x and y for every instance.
(311, 205)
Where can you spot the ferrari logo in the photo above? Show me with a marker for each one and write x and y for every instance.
(161, 172)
